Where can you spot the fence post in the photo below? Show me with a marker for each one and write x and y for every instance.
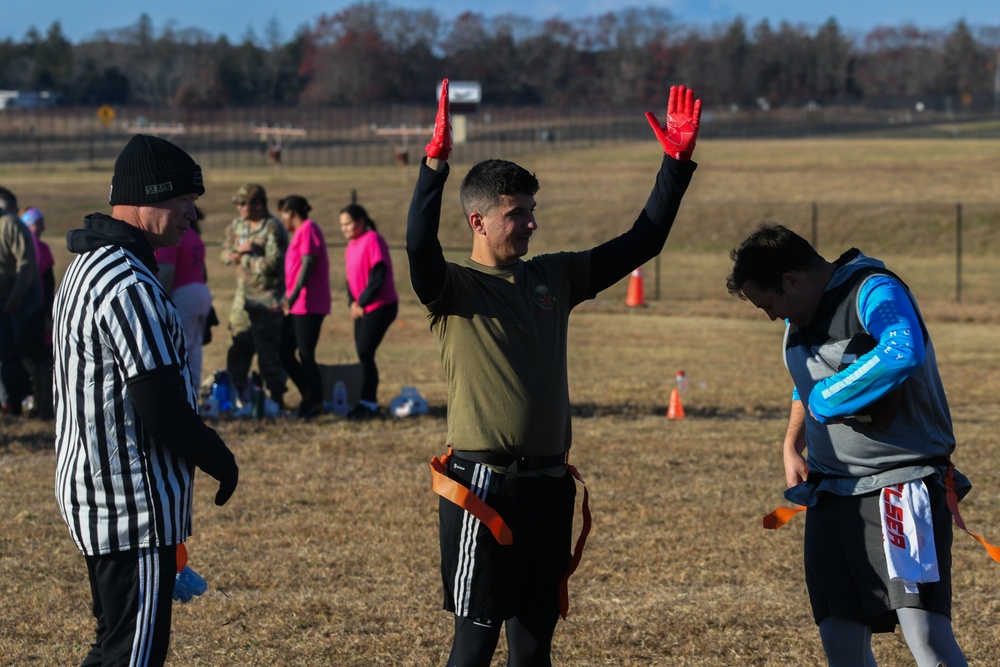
(958, 252)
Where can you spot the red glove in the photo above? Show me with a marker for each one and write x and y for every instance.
(440, 145)
(683, 120)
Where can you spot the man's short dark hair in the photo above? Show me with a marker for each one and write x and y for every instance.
(766, 256)
(8, 201)
(490, 180)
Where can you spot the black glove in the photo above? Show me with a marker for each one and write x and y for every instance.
(228, 479)
(160, 400)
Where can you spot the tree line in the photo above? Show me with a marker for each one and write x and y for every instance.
(374, 53)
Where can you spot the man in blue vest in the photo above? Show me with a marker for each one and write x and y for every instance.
(869, 405)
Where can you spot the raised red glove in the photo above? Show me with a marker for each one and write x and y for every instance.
(440, 145)
(683, 120)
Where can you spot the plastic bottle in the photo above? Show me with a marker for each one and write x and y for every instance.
(340, 398)
(210, 409)
(221, 391)
(256, 397)
(682, 383)
(188, 584)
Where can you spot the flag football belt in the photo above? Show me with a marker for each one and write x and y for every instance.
(519, 465)
(783, 515)
(454, 492)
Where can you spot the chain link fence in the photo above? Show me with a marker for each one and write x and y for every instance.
(947, 251)
(350, 137)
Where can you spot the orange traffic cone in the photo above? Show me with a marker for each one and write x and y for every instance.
(676, 409)
(635, 296)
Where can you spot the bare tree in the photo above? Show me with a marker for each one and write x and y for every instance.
(897, 63)
(966, 69)
(374, 53)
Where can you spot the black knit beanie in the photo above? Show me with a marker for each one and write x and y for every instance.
(150, 170)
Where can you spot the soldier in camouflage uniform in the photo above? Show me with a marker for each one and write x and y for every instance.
(255, 243)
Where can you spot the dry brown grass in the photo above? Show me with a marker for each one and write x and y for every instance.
(327, 554)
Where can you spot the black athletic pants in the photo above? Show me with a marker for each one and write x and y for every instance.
(529, 640)
(300, 333)
(22, 355)
(368, 333)
(133, 596)
(520, 589)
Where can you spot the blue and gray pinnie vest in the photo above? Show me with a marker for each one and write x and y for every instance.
(859, 456)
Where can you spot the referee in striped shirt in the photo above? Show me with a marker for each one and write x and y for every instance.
(128, 434)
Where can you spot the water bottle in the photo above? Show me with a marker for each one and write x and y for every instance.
(210, 409)
(256, 397)
(340, 398)
(220, 391)
(682, 383)
(188, 584)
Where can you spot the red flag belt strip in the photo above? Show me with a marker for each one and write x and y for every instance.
(783, 515)
(581, 542)
(454, 492)
(451, 490)
(952, 498)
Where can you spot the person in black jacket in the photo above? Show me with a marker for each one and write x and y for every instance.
(128, 434)
(21, 321)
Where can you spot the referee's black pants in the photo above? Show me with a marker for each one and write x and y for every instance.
(133, 593)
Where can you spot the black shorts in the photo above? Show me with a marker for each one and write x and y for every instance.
(490, 582)
(846, 572)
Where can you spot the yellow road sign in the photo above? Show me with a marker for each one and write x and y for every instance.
(106, 114)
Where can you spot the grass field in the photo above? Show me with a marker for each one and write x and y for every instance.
(327, 554)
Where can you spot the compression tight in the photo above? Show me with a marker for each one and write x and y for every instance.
(474, 643)
(929, 637)
(846, 643)
(529, 642)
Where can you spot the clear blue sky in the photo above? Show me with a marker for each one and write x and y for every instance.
(233, 18)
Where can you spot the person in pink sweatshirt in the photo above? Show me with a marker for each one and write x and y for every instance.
(183, 275)
(371, 295)
(307, 301)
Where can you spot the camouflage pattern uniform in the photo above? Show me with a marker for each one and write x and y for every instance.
(256, 318)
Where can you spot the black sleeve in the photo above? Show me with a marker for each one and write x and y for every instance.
(423, 249)
(376, 278)
(615, 259)
(49, 289)
(160, 401)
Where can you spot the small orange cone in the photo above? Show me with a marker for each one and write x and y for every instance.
(635, 296)
(676, 409)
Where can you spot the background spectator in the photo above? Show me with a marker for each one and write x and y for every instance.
(371, 295)
(307, 301)
(255, 243)
(21, 323)
(41, 381)
(184, 276)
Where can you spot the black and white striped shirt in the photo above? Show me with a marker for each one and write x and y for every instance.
(117, 489)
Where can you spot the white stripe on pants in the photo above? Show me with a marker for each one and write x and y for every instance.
(482, 475)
